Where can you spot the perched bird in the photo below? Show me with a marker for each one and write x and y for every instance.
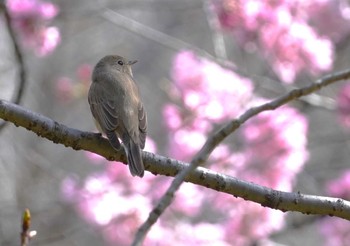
(117, 108)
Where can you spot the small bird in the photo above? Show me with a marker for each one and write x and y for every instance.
(117, 108)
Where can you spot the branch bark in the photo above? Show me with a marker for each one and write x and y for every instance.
(267, 197)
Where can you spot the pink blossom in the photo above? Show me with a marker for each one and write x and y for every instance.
(244, 222)
(335, 231)
(64, 88)
(189, 200)
(69, 188)
(275, 147)
(336, 12)
(209, 94)
(150, 145)
(48, 40)
(343, 105)
(209, 89)
(30, 18)
(293, 47)
(84, 72)
(171, 114)
(185, 143)
(340, 187)
(249, 222)
(94, 158)
(282, 31)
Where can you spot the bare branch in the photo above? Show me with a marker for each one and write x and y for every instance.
(78, 140)
(160, 37)
(214, 24)
(284, 201)
(225, 131)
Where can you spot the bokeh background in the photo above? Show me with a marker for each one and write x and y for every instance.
(62, 40)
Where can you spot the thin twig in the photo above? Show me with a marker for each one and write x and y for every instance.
(26, 233)
(214, 24)
(22, 78)
(219, 136)
(160, 37)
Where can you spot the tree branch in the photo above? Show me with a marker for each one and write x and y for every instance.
(79, 140)
(284, 201)
(213, 141)
(22, 74)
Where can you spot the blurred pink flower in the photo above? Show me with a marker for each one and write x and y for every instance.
(340, 187)
(250, 222)
(72, 88)
(150, 145)
(172, 117)
(189, 200)
(337, 14)
(294, 47)
(84, 73)
(275, 147)
(69, 188)
(204, 234)
(185, 142)
(343, 105)
(209, 94)
(30, 18)
(48, 40)
(282, 31)
(208, 89)
(335, 231)
(64, 89)
(94, 158)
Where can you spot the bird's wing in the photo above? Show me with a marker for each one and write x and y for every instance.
(142, 125)
(104, 111)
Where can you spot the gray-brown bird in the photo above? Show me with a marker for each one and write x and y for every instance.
(117, 108)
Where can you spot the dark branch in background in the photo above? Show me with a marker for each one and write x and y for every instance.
(273, 198)
(284, 201)
(19, 57)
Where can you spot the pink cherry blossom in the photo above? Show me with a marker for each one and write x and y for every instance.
(335, 231)
(343, 105)
(340, 187)
(282, 31)
(275, 147)
(30, 18)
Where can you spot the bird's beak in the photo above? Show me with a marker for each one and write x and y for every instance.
(132, 62)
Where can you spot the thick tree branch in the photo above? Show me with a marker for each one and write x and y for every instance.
(225, 131)
(79, 140)
(284, 201)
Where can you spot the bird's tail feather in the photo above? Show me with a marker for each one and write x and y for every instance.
(134, 156)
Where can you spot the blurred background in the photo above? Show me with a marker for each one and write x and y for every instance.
(266, 48)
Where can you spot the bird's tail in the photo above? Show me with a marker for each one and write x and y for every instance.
(133, 153)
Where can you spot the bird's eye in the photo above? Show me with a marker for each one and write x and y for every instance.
(120, 62)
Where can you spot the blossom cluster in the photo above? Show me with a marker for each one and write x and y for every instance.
(336, 231)
(67, 89)
(30, 19)
(292, 35)
(272, 152)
